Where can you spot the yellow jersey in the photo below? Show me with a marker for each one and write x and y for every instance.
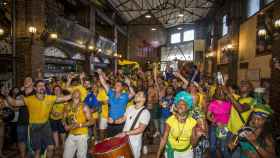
(180, 133)
(58, 109)
(103, 98)
(39, 110)
(79, 117)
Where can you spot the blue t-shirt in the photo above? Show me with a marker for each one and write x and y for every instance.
(165, 111)
(117, 105)
(91, 101)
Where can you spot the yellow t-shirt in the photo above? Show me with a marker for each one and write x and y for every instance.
(235, 123)
(80, 118)
(103, 98)
(82, 90)
(212, 90)
(180, 133)
(200, 100)
(57, 108)
(39, 110)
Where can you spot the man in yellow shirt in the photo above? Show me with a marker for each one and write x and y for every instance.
(39, 107)
(77, 120)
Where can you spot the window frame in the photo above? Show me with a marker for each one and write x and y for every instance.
(184, 35)
(173, 33)
(224, 23)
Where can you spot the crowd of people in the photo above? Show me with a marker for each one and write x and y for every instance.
(192, 115)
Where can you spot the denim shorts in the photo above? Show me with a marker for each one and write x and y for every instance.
(22, 133)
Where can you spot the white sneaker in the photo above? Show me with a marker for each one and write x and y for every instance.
(145, 150)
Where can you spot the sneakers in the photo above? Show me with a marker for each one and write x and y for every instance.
(145, 150)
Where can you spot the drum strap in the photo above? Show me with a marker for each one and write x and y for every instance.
(136, 119)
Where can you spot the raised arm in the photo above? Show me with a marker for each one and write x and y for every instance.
(131, 93)
(15, 102)
(39, 74)
(155, 76)
(178, 75)
(69, 80)
(63, 98)
(198, 87)
(235, 103)
(82, 77)
(102, 80)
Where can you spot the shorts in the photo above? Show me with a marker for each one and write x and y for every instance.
(57, 126)
(40, 135)
(22, 134)
(103, 123)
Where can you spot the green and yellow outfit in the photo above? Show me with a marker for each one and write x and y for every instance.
(179, 138)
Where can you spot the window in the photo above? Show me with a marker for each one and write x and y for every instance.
(188, 35)
(253, 6)
(175, 38)
(225, 26)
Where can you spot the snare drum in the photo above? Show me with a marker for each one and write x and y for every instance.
(114, 147)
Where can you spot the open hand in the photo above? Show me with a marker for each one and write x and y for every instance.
(82, 75)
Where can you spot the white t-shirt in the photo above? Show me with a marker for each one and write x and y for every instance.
(144, 118)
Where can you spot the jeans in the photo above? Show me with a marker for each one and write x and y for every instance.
(161, 124)
(214, 141)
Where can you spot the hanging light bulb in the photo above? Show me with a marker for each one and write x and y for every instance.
(262, 33)
(2, 31)
(277, 24)
(32, 29)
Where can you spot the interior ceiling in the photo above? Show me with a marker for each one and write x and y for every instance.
(166, 11)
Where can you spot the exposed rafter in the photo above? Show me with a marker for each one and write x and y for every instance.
(166, 11)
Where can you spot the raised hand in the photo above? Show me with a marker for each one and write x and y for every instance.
(127, 81)
(82, 75)
(176, 74)
(99, 71)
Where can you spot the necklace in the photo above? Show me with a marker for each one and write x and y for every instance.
(180, 131)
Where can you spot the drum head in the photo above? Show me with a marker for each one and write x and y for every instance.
(110, 144)
(8, 114)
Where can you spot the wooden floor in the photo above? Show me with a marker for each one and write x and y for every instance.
(13, 153)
